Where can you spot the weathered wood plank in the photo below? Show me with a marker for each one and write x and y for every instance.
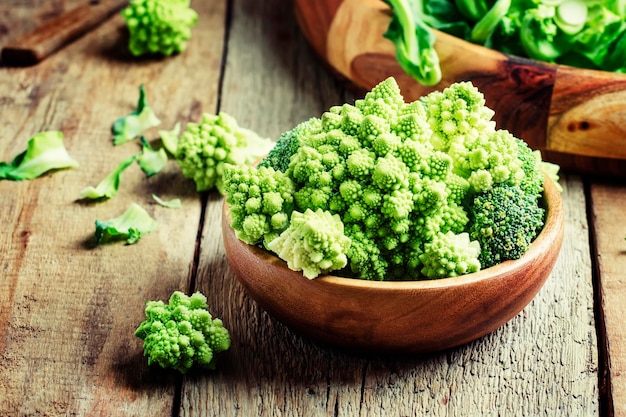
(68, 310)
(17, 17)
(543, 362)
(609, 222)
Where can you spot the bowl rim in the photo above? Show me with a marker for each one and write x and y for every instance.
(552, 229)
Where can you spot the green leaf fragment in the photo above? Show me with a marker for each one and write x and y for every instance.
(108, 187)
(150, 160)
(169, 138)
(131, 226)
(173, 203)
(45, 151)
(128, 127)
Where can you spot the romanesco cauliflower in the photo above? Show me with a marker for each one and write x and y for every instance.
(314, 243)
(204, 148)
(159, 26)
(401, 177)
(261, 202)
(182, 333)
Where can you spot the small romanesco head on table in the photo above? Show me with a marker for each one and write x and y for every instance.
(159, 27)
(182, 333)
(206, 147)
(405, 180)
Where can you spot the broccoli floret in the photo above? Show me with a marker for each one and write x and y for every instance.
(206, 147)
(45, 151)
(288, 143)
(504, 220)
(450, 255)
(159, 26)
(314, 243)
(182, 333)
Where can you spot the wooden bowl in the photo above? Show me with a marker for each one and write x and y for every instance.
(576, 117)
(407, 316)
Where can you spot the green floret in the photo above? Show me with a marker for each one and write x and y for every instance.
(532, 182)
(261, 202)
(489, 159)
(182, 333)
(160, 27)
(504, 220)
(205, 148)
(450, 255)
(288, 143)
(314, 243)
(457, 114)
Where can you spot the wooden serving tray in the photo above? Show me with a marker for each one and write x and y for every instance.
(576, 117)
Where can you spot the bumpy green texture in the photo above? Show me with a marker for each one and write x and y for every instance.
(261, 201)
(278, 157)
(400, 176)
(314, 243)
(450, 255)
(505, 222)
(159, 27)
(182, 333)
(204, 148)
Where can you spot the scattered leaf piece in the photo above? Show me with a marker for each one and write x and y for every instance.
(173, 203)
(45, 152)
(108, 187)
(128, 127)
(131, 225)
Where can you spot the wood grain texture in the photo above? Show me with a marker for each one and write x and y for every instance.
(543, 362)
(397, 317)
(575, 116)
(68, 309)
(609, 223)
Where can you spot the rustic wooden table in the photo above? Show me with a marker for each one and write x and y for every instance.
(68, 309)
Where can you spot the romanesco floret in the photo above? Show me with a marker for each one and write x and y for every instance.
(400, 176)
(450, 255)
(457, 114)
(261, 202)
(314, 243)
(204, 148)
(182, 333)
(504, 220)
(159, 26)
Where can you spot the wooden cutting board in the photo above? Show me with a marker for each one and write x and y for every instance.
(576, 117)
